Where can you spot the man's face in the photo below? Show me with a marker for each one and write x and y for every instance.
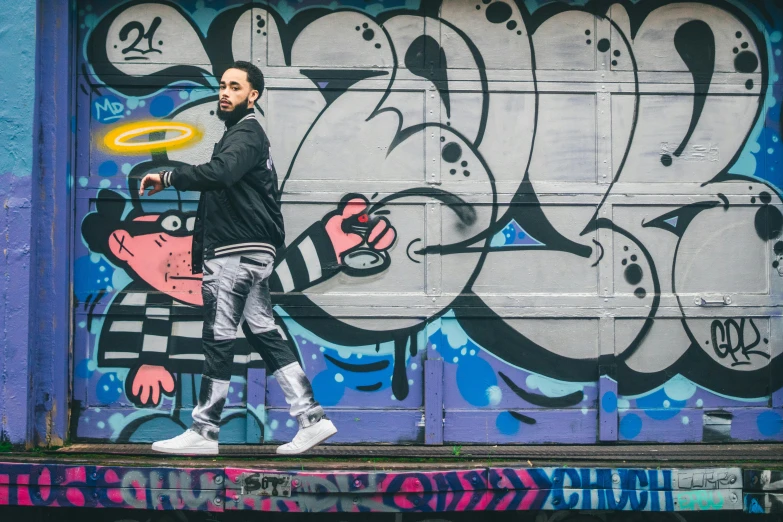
(157, 248)
(235, 92)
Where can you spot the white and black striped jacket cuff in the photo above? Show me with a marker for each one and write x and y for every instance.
(165, 178)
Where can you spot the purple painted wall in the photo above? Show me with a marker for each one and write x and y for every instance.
(35, 140)
(17, 100)
(51, 228)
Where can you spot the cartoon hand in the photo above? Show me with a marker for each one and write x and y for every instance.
(351, 226)
(149, 383)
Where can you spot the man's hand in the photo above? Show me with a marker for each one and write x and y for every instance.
(151, 180)
(380, 237)
(149, 383)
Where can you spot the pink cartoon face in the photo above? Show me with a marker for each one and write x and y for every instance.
(157, 247)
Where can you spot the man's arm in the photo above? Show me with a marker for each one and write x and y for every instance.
(244, 151)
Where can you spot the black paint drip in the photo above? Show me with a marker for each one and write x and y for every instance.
(695, 43)
(400, 375)
(426, 47)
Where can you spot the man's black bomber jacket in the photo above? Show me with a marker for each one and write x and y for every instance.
(239, 207)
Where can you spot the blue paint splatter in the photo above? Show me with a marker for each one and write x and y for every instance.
(769, 423)
(107, 168)
(630, 426)
(506, 424)
(473, 379)
(161, 106)
(654, 405)
(609, 402)
(83, 369)
(90, 277)
(109, 388)
(328, 391)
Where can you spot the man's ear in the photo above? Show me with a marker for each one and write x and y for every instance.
(121, 245)
(252, 98)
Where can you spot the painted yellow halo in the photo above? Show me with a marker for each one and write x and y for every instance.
(119, 139)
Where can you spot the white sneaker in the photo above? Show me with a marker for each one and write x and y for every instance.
(189, 443)
(308, 437)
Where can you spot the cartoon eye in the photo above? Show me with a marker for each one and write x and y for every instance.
(171, 223)
(190, 224)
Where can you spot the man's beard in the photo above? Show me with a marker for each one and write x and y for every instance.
(233, 116)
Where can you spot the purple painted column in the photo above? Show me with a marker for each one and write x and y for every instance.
(607, 404)
(256, 404)
(433, 401)
(50, 293)
(17, 75)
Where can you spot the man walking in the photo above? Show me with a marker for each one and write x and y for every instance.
(238, 228)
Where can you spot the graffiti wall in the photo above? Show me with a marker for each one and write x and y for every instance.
(111, 515)
(218, 490)
(580, 201)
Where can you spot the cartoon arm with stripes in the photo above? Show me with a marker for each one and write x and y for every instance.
(348, 240)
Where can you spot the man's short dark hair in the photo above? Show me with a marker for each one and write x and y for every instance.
(254, 75)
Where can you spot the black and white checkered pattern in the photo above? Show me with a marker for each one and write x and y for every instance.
(143, 326)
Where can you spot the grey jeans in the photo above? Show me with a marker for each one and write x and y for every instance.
(236, 288)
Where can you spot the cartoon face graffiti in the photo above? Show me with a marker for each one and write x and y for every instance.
(157, 249)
